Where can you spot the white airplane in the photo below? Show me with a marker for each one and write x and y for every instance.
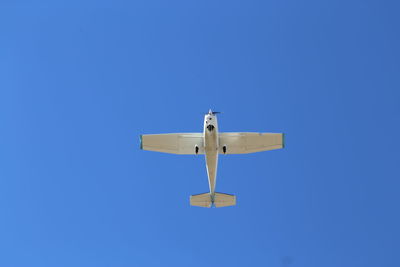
(211, 143)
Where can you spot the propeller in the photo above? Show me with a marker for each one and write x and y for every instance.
(213, 112)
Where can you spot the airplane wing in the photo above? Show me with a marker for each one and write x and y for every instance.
(242, 143)
(175, 143)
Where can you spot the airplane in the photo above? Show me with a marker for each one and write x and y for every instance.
(211, 143)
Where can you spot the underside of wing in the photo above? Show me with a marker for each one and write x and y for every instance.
(175, 143)
(242, 143)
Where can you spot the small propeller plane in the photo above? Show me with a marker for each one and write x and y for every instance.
(211, 143)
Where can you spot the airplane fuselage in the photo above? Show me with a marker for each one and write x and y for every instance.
(211, 147)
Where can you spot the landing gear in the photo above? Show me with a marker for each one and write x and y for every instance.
(196, 149)
(224, 149)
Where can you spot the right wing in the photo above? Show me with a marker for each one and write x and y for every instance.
(175, 143)
(242, 143)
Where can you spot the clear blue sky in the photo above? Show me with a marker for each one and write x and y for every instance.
(81, 80)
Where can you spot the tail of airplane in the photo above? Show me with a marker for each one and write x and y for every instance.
(207, 200)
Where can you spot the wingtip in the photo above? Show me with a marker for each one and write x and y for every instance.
(283, 140)
(141, 141)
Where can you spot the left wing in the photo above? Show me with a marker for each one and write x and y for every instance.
(175, 143)
(242, 143)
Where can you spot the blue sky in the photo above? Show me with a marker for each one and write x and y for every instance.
(81, 80)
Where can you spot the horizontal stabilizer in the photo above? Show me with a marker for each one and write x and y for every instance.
(201, 200)
(224, 200)
(219, 200)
